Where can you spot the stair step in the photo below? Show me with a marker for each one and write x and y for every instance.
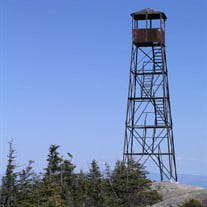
(148, 79)
(157, 62)
(160, 118)
(160, 114)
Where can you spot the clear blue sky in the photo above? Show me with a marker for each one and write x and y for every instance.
(64, 78)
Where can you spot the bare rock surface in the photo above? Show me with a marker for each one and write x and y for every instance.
(174, 194)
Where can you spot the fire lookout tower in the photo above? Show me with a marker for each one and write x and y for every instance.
(148, 126)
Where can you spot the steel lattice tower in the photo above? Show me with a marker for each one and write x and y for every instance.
(148, 126)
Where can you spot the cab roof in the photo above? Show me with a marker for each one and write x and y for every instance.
(148, 13)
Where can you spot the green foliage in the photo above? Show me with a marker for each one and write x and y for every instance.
(80, 190)
(8, 188)
(25, 192)
(94, 186)
(130, 186)
(60, 186)
(51, 189)
(191, 203)
(54, 161)
(67, 180)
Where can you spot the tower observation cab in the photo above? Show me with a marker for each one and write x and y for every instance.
(148, 135)
(148, 28)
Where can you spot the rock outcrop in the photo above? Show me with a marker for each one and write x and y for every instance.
(174, 194)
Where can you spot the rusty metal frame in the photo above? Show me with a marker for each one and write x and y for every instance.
(148, 126)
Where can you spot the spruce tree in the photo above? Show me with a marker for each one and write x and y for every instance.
(80, 190)
(67, 180)
(8, 190)
(132, 186)
(50, 187)
(138, 186)
(25, 187)
(110, 195)
(94, 188)
(119, 184)
(124, 186)
(53, 161)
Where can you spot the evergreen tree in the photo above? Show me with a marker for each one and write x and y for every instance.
(50, 187)
(8, 191)
(110, 195)
(59, 186)
(25, 187)
(80, 190)
(94, 188)
(119, 184)
(50, 195)
(54, 161)
(131, 186)
(36, 190)
(67, 180)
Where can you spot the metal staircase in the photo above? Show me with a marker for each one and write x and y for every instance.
(147, 83)
(158, 68)
(157, 58)
(159, 112)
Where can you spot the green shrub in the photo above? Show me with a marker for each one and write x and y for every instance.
(191, 203)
